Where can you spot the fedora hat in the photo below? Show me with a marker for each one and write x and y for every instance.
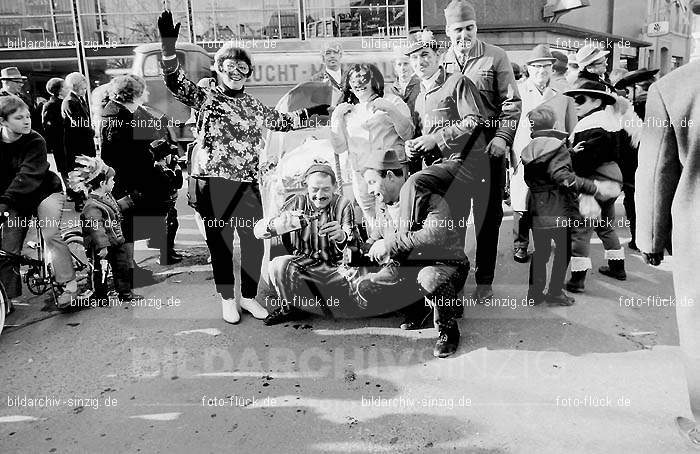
(386, 160)
(636, 76)
(541, 53)
(592, 89)
(11, 73)
(588, 54)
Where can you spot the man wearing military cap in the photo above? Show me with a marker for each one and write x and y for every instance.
(489, 68)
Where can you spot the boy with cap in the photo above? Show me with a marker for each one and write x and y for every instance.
(489, 68)
(552, 204)
(101, 220)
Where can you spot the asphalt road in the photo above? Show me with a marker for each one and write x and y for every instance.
(170, 376)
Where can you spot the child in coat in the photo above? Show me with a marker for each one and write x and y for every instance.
(552, 204)
(101, 220)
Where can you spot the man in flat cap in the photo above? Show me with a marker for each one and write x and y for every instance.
(318, 225)
(489, 68)
(426, 248)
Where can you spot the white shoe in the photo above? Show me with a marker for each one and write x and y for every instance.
(231, 310)
(255, 309)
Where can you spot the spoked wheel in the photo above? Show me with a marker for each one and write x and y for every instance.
(36, 279)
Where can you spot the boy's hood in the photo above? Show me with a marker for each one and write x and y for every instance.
(540, 147)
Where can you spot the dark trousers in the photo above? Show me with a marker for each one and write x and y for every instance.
(488, 214)
(630, 210)
(225, 206)
(543, 248)
(521, 229)
(118, 258)
(172, 225)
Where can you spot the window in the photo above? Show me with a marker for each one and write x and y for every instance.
(109, 22)
(217, 21)
(345, 18)
(36, 24)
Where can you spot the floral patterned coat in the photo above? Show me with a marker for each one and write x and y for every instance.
(230, 124)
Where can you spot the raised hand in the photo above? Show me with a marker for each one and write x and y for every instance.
(168, 31)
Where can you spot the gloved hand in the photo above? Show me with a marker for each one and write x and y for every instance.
(607, 190)
(168, 33)
(653, 258)
(321, 109)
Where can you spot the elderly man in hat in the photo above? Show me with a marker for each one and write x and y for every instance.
(668, 209)
(593, 65)
(572, 69)
(489, 68)
(12, 83)
(314, 228)
(426, 249)
(535, 91)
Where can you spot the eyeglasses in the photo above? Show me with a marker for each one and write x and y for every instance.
(240, 66)
(580, 99)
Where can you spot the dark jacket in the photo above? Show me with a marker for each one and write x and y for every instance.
(52, 121)
(128, 155)
(101, 221)
(165, 183)
(450, 112)
(428, 229)
(25, 179)
(603, 139)
(489, 68)
(410, 94)
(554, 187)
(77, 133)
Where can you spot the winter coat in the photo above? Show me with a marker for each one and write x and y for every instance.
(123, 151)
(25, 178)
(602, 133)
(77, 132)
(101, 220)
(52, 122)
(668, 177)
(565, 113)
(554, 187)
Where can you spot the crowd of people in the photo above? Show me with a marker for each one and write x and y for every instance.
(460, 130)
(44, 167)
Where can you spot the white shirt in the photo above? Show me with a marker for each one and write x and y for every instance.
(430, 83)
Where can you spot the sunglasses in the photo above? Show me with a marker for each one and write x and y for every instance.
(580, 99)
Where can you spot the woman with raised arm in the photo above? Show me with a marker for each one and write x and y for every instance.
(230, 125)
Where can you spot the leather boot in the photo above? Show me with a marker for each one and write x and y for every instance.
(576, 283)
(614, 268)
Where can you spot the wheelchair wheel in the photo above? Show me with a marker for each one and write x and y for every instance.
(36, 280)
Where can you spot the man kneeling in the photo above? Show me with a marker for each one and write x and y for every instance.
(425, 249)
